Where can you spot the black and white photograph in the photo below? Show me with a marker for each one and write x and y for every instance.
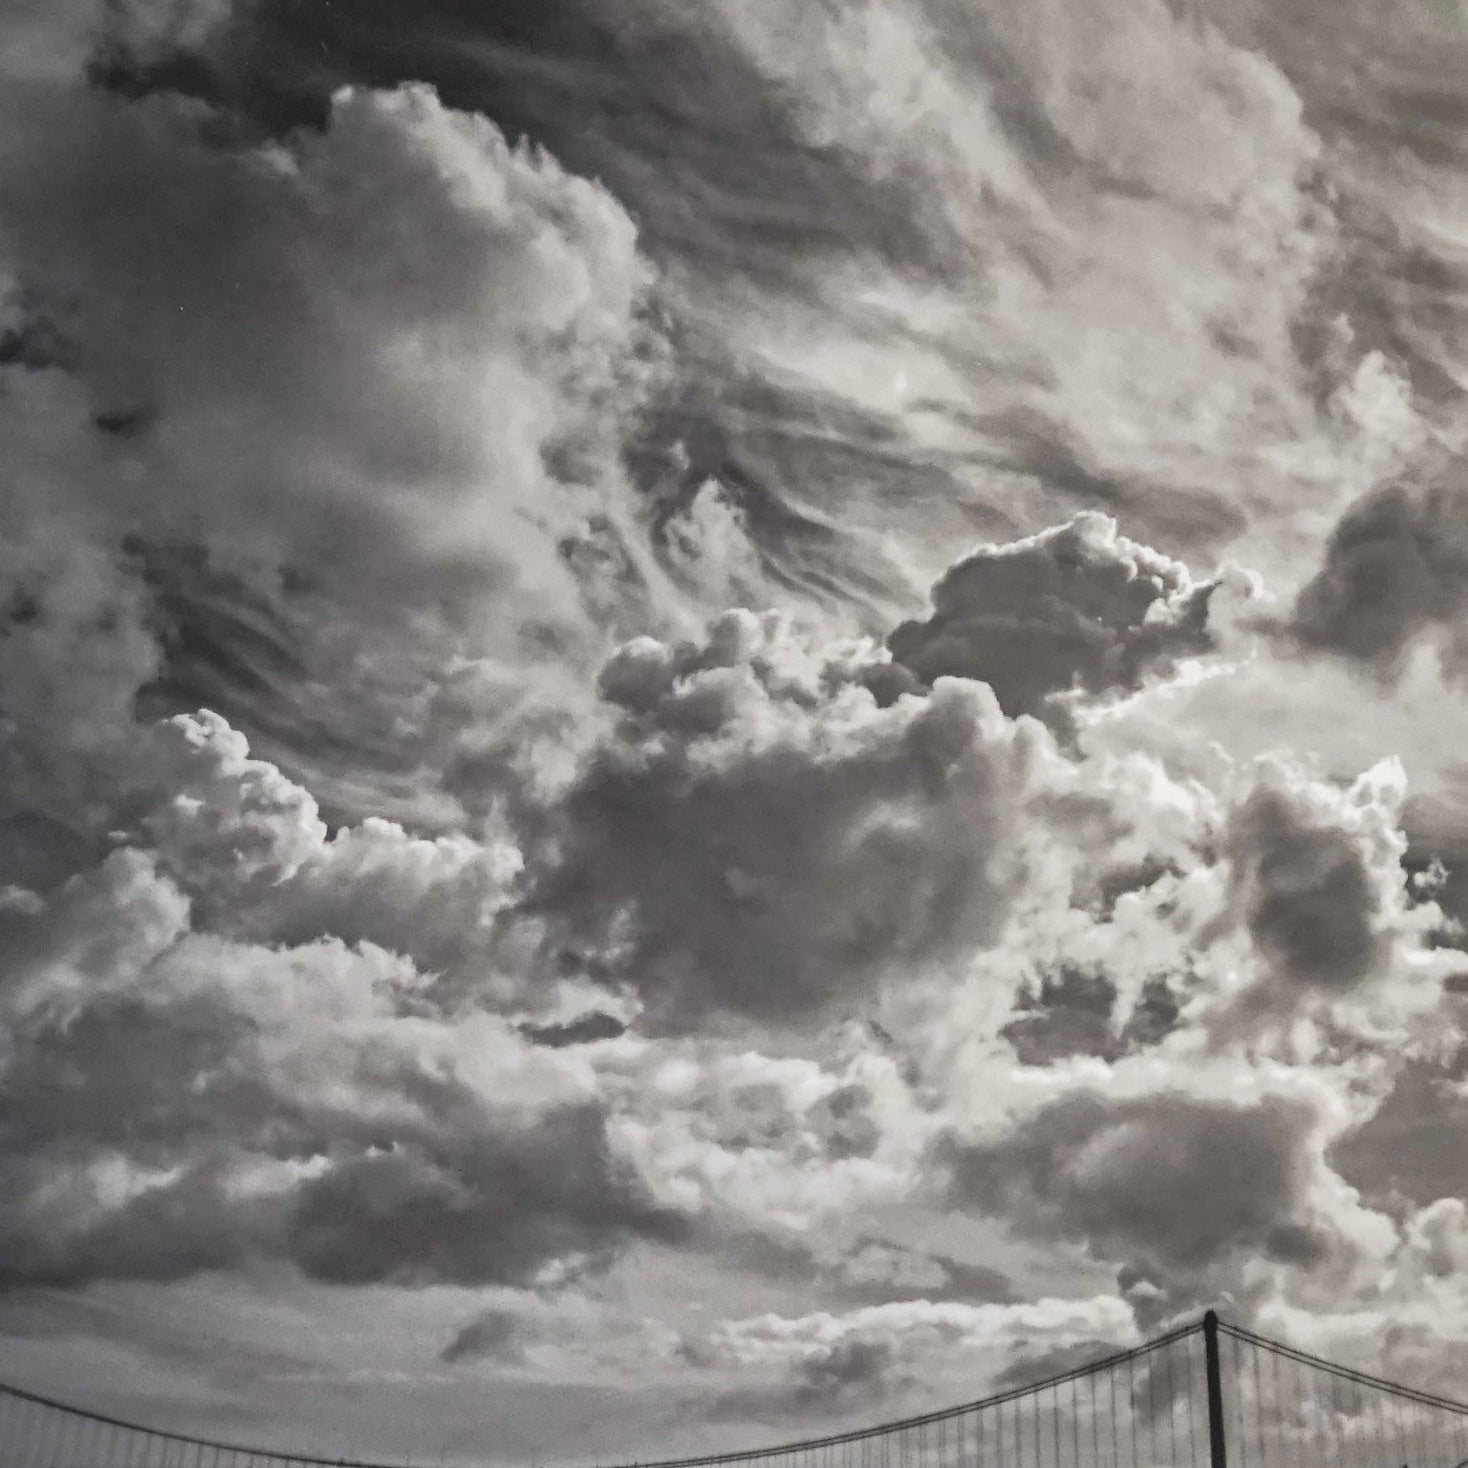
(734, 732)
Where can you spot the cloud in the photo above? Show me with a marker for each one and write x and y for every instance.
(876, 1350)
(1310, 898)
(757, 837)
(303, 427)
(1076, 607)
(876, 1271)
(1165, 1178)
(505, 1206)
(419, 319)
(1073, 1014)
(179, 1101)
(1117, 225)
(1415, 1144)
(75, 647)
(250, 850)
(471, 969)
(1339, 932)
(494, 1336)
(773, 1154)
(586, 1029)
(1395, 570)
(850, 1368)
(226, 827)
(931, 269)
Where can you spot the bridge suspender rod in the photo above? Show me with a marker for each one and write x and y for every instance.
(1217, 1446)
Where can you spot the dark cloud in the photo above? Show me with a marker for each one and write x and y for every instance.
(499, 1207)
(176, 1103)
(75, 647)
(1075, 607)
(497, 1210)
(1415, 1145)
(1395, 568)
(219, 289)
(494, 1336)
(844, 1122)
(1168, 1178)
(765, 839)
(584, 1030)
(1073, 1013)
(187, 1227)
(1309, 900)
(854, 1367)
(603, 92)
(843, 1375)
(876, 1271)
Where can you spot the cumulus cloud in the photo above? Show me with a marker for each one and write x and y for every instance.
(1073, 1013)
(180, 1101)
(777, 1155)
(759, 837)
(1318, 879)
(1394, 571)
(1076, 607)
(1165, 1178)
(1310, 902)
(380, 337)
(1270, 903)
(250, 850)
(876, 1349)
(217, 816)
(258, 394)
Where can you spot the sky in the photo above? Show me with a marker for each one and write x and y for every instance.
(719, 720)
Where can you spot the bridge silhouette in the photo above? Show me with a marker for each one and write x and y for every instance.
(1206, 1395)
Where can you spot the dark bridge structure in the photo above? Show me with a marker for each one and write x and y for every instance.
(1207, 1395)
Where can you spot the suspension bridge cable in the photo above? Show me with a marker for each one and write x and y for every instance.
(1348, 1373)
(1287, 1411)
